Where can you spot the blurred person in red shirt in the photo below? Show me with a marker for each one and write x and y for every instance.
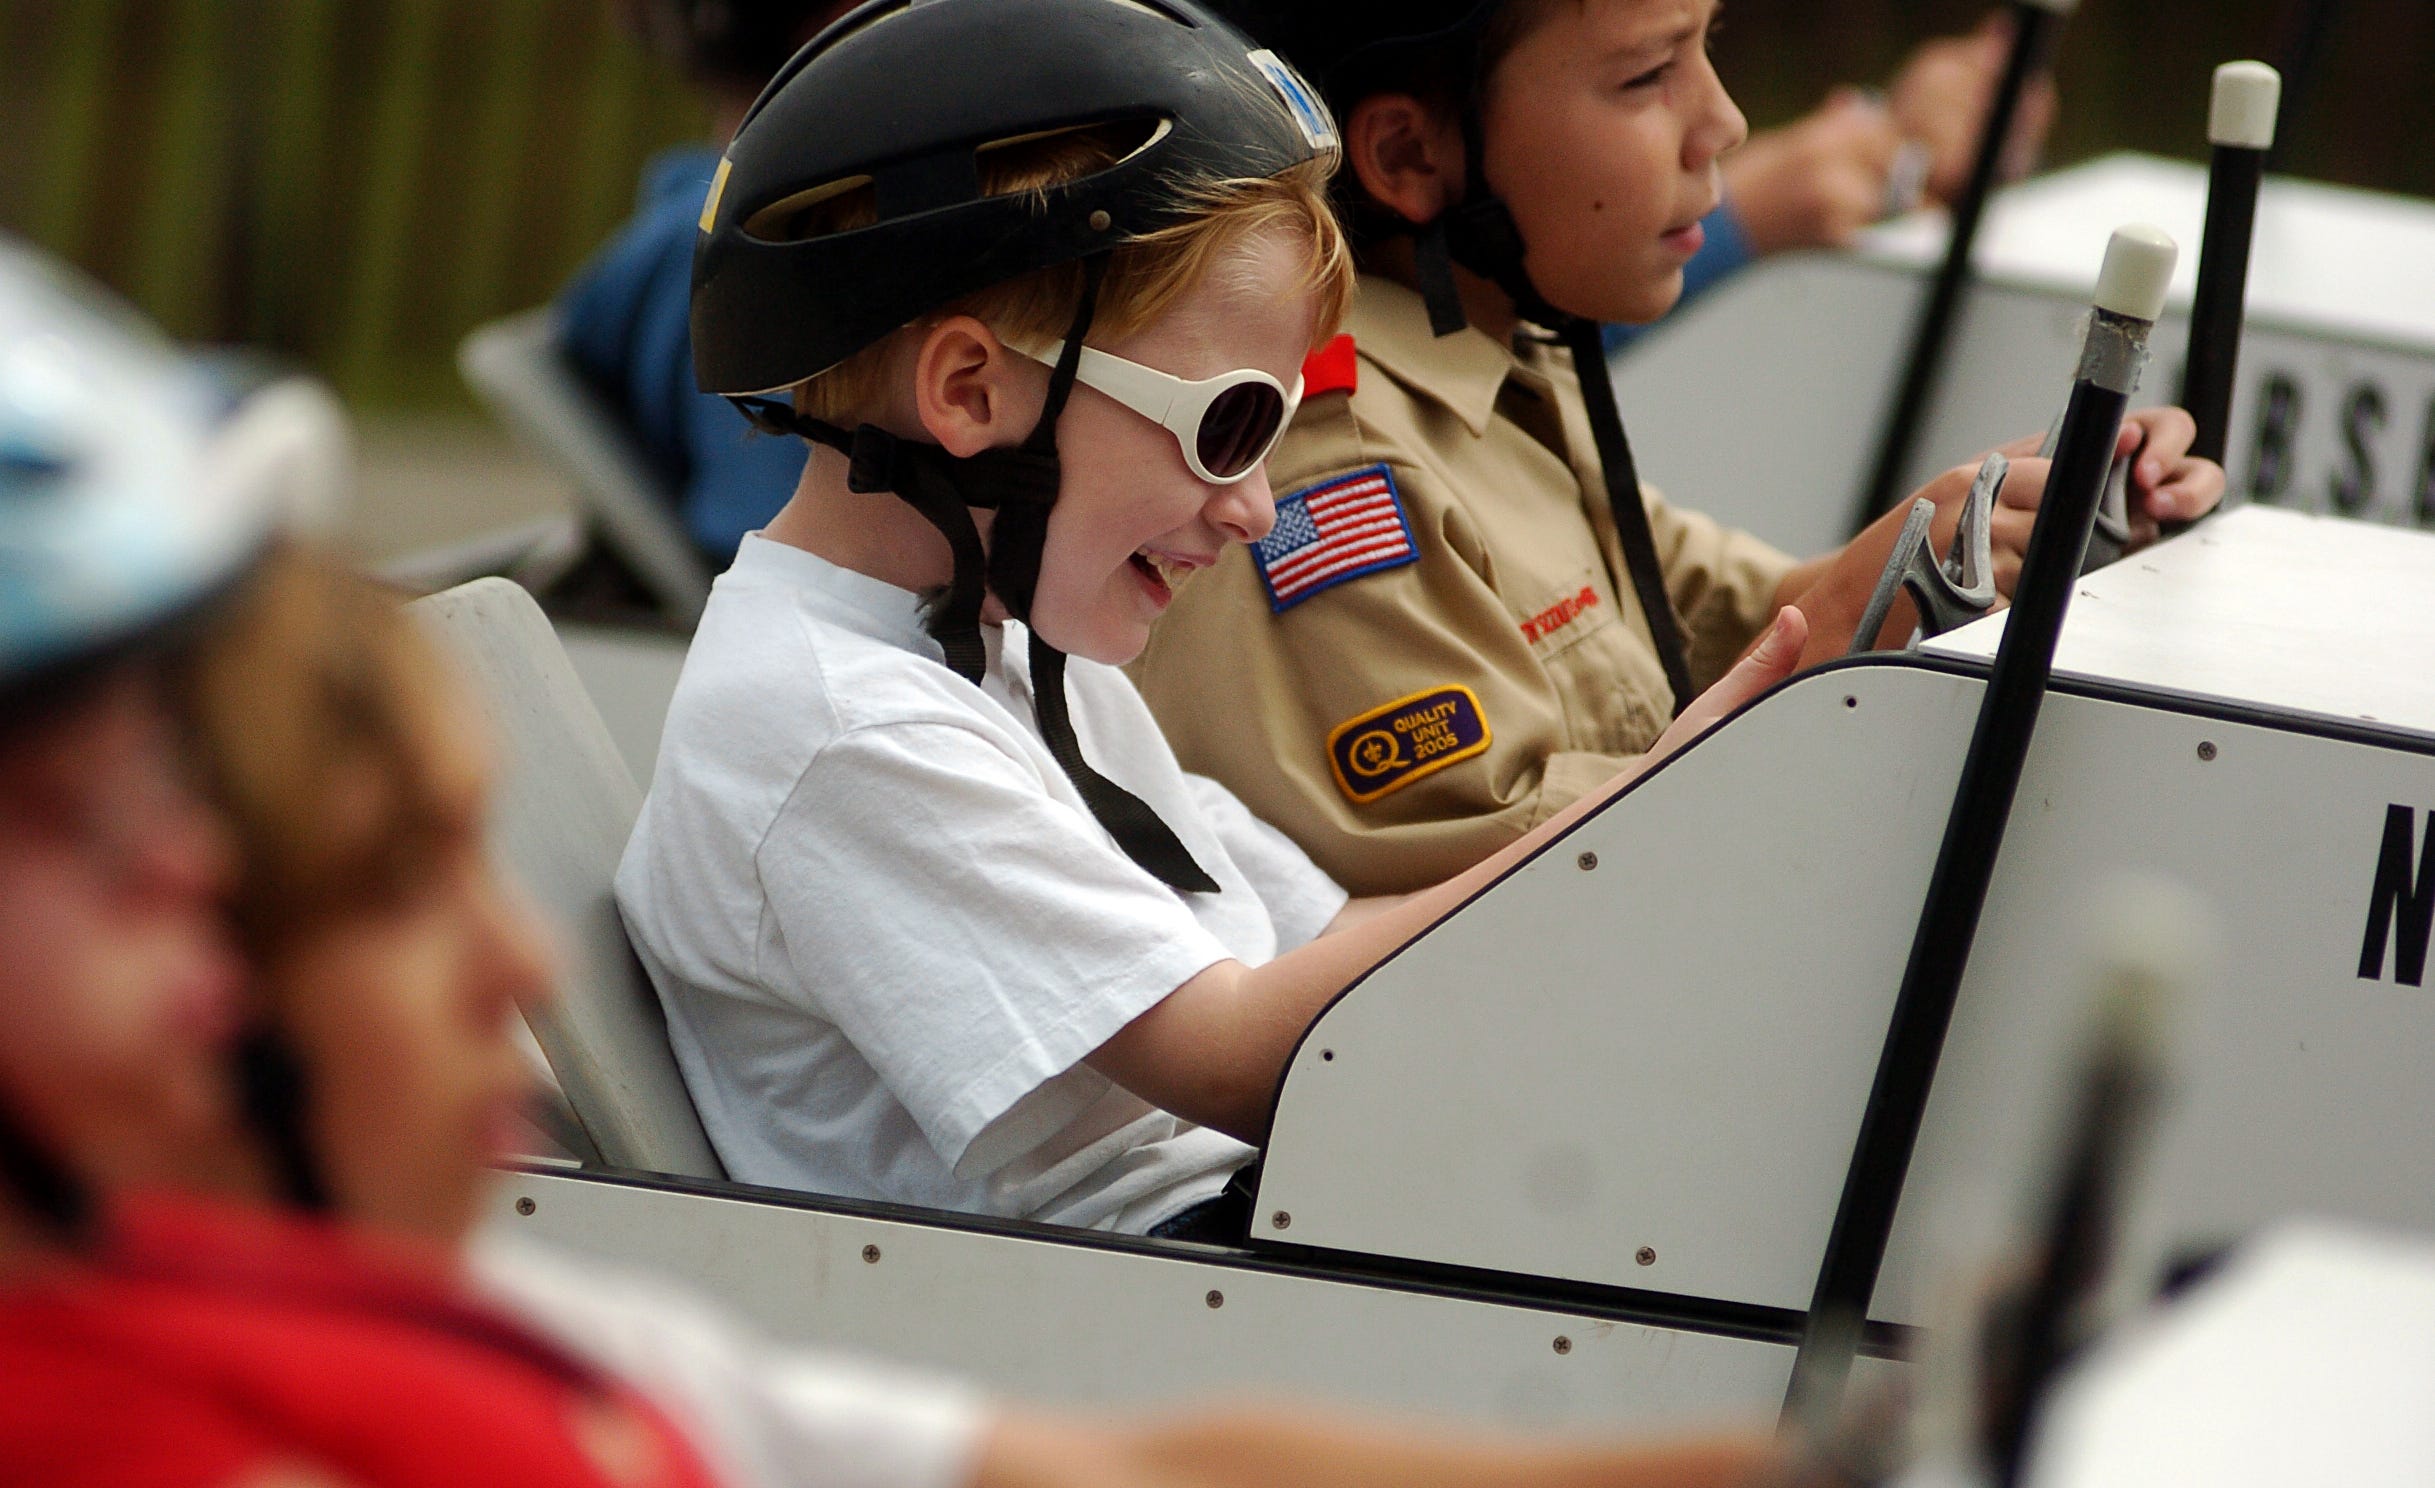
(149, 1339)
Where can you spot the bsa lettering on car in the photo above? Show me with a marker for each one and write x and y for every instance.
(2401, 905)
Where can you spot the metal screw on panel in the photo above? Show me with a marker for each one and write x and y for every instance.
(2206, 751)
(870, 1253)
(1564, 1345)
(1588, 862)
(1281, 1220)
(1215, 1298)
(526, 1207)
(1646, 1255)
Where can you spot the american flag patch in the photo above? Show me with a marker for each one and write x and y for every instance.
(1336, 530)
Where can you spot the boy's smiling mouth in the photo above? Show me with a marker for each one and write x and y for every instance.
(1163, 572)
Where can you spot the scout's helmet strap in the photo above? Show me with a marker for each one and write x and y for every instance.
(46, 1189)
(1632, 530)
(1480, 233)
(1020, 485)
(274, 1091)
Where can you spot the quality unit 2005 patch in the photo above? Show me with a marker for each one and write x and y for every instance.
(1388, 748)
(1339, 529)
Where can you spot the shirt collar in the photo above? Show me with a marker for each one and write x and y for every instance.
(854, 601)
(1464, 371)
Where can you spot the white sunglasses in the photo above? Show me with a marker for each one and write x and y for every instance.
(1226, 424)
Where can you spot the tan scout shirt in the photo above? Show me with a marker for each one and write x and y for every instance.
(1403, 723)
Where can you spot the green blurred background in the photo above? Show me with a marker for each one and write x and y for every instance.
(358, 184)
(355, 183)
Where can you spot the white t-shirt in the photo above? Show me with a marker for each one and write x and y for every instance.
(887, 930)
(761, 1414)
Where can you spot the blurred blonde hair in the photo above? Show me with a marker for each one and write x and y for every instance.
(1144, 277)
(328, 730)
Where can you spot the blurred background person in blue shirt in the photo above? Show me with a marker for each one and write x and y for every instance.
(623, 320)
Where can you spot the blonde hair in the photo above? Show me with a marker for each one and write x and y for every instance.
(1144, 276)
(329, 731)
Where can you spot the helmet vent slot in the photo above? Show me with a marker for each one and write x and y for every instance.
(911, 187)
(954, 177)
(833, 206)
(1121, 139)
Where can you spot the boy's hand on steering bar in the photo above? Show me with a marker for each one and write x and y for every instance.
(1834, 590)
(2167, 484)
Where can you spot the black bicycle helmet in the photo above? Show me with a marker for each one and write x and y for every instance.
(1356, 48)
(904, 97)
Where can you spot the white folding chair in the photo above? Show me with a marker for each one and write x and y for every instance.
(564, 810)
(515, 366)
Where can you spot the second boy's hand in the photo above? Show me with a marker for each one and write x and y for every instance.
(2168, 484)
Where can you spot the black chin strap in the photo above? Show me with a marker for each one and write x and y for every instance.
(41, 1183)
(1588, 343)
(1020, 485)
(1128, 818)
(944, 489)
(272, 1086)
(1016, 541)
(1479, 233)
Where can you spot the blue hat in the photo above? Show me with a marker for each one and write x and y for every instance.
(132, 486)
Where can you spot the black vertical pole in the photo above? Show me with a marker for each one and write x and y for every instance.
(2037, 27)
(2130, 294)
(2308, 29)
(2076, 1256)
(2240, 125)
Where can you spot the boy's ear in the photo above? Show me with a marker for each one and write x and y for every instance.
(1407, 158)
(968, 388)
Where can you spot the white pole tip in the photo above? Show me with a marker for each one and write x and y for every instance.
(2154, 944)
(2247, 97)
(2138, 270)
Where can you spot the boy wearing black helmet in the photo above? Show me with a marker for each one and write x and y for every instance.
(1461, 533)
(1040, 329)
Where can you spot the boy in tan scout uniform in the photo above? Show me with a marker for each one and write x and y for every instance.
(1441, 645)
